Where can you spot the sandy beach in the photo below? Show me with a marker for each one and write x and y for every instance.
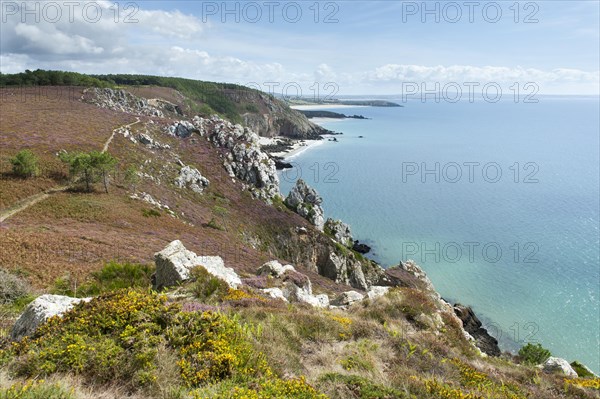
(314, 107)
(298, 146)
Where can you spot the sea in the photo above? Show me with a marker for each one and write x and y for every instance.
(497, 202)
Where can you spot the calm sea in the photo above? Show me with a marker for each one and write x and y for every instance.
(498, 202)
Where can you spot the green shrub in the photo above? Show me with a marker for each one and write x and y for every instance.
(214, 225)
(25, 164)
(207, 287)
(580, 369)
(150, 213)
(112, 277)
(115, 276)
(534, 354)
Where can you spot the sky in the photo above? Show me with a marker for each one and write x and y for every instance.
(325, 48)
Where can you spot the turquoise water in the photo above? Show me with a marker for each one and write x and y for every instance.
(542, 212)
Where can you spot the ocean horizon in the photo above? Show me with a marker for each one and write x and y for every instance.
(498, 202)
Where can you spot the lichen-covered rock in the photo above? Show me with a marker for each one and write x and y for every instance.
(182, 129)
(306, 202)
(558, 365)
(174, 263)
(274, 268)
(191, 178)
(40, 310)
(347, 298)
(340, 232)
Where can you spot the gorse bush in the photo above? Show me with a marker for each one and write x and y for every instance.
(534, 354)
(36, 390)
(25, 164)
(117, 338)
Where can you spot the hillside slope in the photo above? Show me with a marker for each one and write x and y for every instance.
(204, 180)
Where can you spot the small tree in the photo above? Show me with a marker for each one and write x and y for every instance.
(89, 168)
(25, 164)
(103, 163)
(534, 354)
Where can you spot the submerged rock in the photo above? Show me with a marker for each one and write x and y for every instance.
(361, 248)
(174, 263)
(306, 202)
(40, 310)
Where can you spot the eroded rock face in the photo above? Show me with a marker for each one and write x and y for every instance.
(40, 310)
(306, 202)
(121, 100)
(340, 232)
(242, 155)
(344, 270)
(471, 324)
(174, 263)
(558, 365)
(191, 178)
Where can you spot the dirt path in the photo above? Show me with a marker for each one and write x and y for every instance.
(34, 199)
(110, 139)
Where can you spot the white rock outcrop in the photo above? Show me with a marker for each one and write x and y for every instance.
(347, 298)
(174, 263)
(191, 178)
(274, 268)
(306, 202)
(558, 365)
(275, 293)
(40, 310)
(377, 291)
(340, 232)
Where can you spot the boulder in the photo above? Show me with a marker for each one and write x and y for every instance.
(191, 178)
(40, 310)
(558, 365)
(347, 298)
(300, 290)
(377, 291)
(182, 129)
(340, 232)
(174, 263)
(274, 268)
(471, 324)
(306, 202)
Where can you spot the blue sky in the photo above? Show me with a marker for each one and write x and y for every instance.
(362, 47)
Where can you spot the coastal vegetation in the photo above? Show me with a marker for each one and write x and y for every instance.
(202, 337)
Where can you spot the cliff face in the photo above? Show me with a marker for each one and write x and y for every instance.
(270, 117)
